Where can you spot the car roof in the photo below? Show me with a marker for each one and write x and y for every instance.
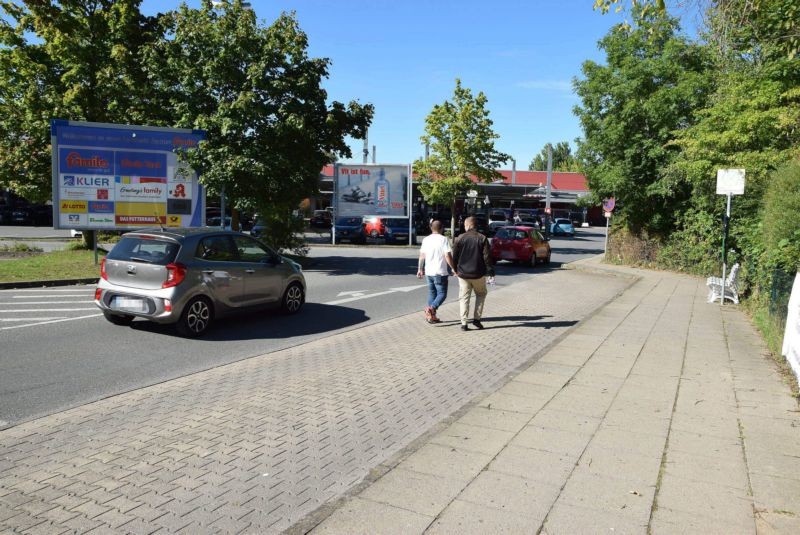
(179, 233)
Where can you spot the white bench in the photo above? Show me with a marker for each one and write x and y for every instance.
(730, 288)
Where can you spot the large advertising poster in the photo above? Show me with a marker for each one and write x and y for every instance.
(372, 190)
(108, 176)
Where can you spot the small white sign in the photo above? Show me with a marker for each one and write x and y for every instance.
(791, 338)
(730, 181)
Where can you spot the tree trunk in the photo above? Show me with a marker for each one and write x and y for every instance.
(453, 220)
(88, 238)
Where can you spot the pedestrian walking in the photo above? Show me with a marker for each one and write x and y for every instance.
(473, 259)
(435, 257)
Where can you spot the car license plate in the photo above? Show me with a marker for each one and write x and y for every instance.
(129, 304)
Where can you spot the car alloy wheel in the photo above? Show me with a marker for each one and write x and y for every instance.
(196, 318)
(293, 298)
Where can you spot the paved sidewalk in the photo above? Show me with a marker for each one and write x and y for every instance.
(659, 414)
(256, 446)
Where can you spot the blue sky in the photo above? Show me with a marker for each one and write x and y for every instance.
(403, 56)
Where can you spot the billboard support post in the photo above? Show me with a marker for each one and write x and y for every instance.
(94, 245)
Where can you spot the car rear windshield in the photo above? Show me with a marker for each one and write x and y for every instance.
(148, 250)
(349, 221)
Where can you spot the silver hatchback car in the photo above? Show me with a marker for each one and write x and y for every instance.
(190, 277)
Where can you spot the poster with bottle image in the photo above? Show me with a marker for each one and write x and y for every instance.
(372, 190)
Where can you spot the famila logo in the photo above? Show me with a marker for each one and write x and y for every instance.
(74, 159)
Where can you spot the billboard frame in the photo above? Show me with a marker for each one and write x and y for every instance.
(155, 146)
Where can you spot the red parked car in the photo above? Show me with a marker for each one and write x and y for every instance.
(520, 244)
(374, 226)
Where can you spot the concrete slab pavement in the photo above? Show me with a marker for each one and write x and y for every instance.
(661, 413)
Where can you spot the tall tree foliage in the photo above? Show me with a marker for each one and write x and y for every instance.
(563, 159)
(653, 81)
(258, 94)
(72, 59)
(461, 140)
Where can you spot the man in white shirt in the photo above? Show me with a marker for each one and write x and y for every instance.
(435, 255)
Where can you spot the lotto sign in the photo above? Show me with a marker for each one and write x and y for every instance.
(116, 176)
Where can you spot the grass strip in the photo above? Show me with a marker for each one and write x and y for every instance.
(50, 266)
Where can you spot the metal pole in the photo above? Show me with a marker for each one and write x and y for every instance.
(725, 225)
(605, 246)
(222, 207)
(94, 245)
(366, 147)
(373, 154)
(547, 211)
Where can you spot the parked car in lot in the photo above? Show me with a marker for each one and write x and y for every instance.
(217, 222)
(562, 227)
(192, 276)
(520, 244)
(351, 229)
(258, 228)
(481, 225)
(397, 232)
(32, 214)
(321, 219)
(375, 226)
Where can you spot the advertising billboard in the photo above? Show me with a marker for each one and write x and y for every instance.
(372, 190)
(108, 176)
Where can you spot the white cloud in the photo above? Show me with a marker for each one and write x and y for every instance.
(550, 85)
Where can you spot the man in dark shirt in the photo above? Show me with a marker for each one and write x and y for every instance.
(473, 259)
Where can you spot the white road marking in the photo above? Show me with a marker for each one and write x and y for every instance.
(41, 296)
(31, 319)
(355, 293)
(387, 292)
(18, 290)
(48, 322)
(46, 303)
(49, 310)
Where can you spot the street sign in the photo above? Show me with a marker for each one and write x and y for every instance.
(609, 204)
(730, 181)
(547, 210)
(607, 214)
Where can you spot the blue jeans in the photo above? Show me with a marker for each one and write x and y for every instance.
(437, 290)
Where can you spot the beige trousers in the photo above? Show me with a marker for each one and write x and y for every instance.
(465, 289)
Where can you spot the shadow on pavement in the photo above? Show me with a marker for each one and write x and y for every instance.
(314, 318)
(521, 321)
(342, 265)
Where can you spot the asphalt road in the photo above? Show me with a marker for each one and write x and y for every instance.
(58, 352)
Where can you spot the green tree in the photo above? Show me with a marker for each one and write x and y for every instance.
(258, 94)
(72, 59)
(461, 139)
(651, 85)
(563, 159)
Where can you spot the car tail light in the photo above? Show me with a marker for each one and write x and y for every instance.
(167, 305)
(176, 272)
(103, 273)
(98, 293)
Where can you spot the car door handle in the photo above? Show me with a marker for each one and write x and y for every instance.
(249, 270)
